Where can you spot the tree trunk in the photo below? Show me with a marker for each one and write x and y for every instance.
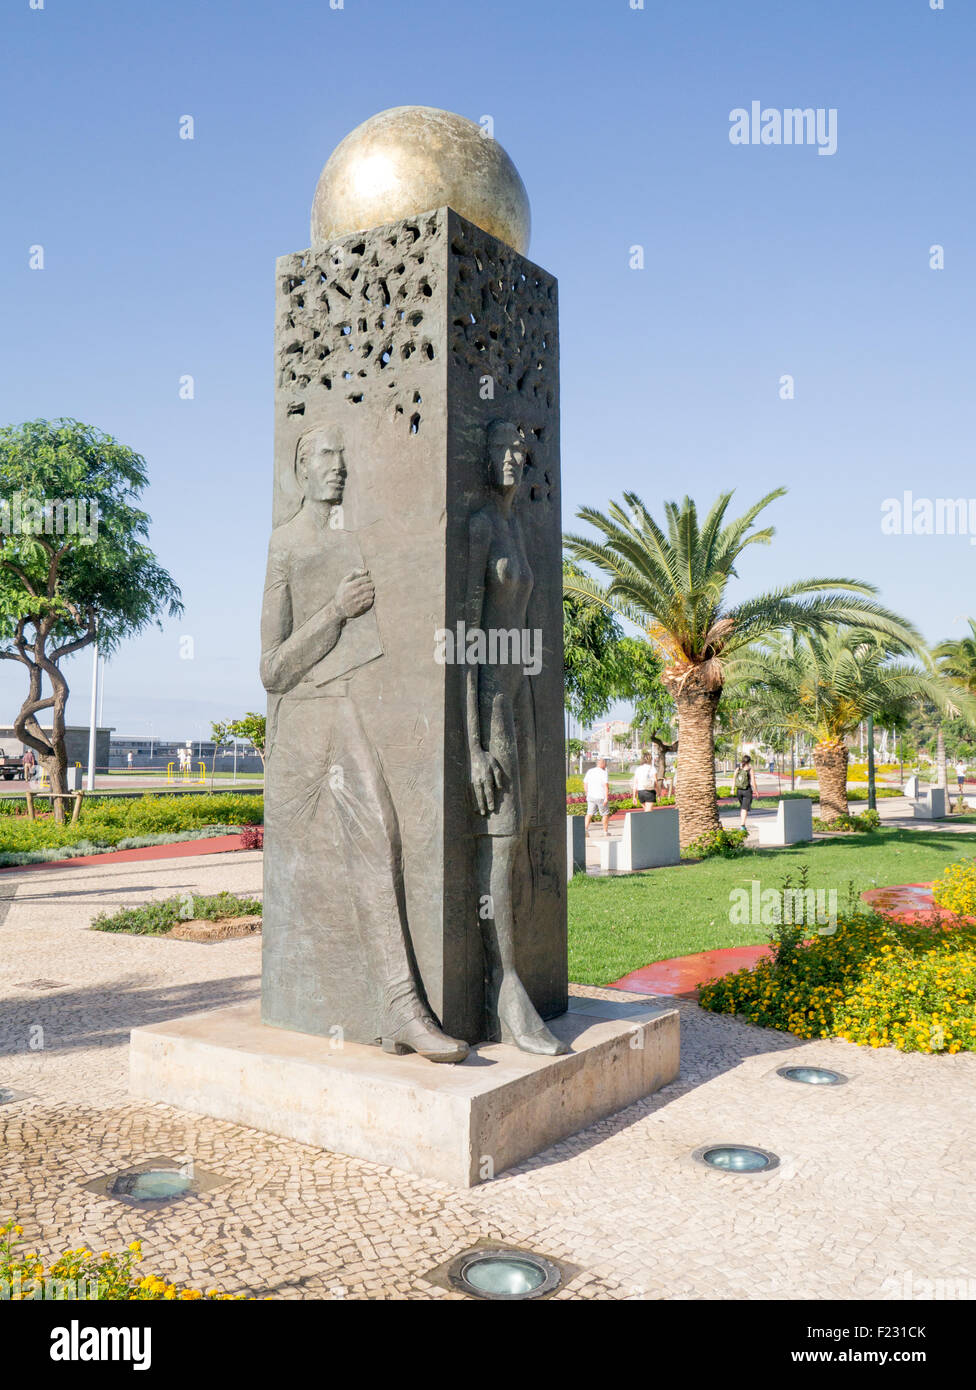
(659, 752)
(941, 774)
(697, 806)
(50, 754)
(830, 760)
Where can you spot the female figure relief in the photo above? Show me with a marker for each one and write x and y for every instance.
(331, 822)
(498, 708)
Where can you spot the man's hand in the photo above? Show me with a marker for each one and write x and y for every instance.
(355, 594)
(486, 775)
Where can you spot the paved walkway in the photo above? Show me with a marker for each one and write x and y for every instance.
(873, 1197)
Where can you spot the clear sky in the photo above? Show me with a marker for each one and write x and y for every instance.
(759, 261)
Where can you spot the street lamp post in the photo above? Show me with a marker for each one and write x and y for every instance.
(92, 731)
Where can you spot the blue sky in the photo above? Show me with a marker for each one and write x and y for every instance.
(760, 261)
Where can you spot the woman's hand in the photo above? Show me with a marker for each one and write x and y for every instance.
(486, 776)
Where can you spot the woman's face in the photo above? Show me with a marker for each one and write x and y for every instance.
(506, 459)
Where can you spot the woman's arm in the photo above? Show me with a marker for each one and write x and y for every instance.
(486, 774)
(286, 655)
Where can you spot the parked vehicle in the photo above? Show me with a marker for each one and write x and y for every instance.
(11, 766)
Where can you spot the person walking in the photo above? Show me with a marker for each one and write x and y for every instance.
(960, 774)
(645, 786)
(744, 786)
(596, 785)
(30, 765)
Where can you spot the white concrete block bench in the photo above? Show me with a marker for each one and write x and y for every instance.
(793, 823)
(650, 840)
(575, 846)
(932, 805)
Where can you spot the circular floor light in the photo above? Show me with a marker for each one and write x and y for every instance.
(504, 1274)
(153, 1185)
(812, 1076)
(737, 1158)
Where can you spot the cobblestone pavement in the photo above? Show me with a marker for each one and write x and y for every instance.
(873, 1197)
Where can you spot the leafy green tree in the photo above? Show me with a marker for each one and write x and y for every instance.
(74, 564)
(638, 679)
(589, 635)
(220, 733)
(673, 582)
(253, 729)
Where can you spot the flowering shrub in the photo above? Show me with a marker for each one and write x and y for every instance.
(956, 889)
(252, 837)
(83, 1274)
(870, 981)
(616, 801)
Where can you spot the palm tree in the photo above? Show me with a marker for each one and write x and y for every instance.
(956, 661)
(672, 584)
(824, 684)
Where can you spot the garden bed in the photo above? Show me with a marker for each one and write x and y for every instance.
(107, 823)
(188, 917)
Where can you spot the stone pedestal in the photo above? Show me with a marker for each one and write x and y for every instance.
(407, 342)
(460, 1124)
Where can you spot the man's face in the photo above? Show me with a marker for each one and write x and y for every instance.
(507, 459)
(324, 470)
(602, 764)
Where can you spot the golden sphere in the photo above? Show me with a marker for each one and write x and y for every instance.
(411, 159)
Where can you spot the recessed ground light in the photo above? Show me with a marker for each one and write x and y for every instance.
(154, 1185)
(812, 1076)
(156, 1182)
(736, 1158)
(501, 1273)
(504, 1274)
(7, 1095)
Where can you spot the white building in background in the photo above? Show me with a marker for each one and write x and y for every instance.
(600, 739)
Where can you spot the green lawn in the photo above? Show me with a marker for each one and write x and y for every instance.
(619, 924)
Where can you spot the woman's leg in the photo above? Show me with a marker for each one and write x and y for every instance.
(511, 1014)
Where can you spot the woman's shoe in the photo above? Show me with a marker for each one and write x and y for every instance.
(520, 1024)
(422, 1035)
(542, 1042)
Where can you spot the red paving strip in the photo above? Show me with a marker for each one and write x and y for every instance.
(911, 904)
(680, 975)
(179, 849)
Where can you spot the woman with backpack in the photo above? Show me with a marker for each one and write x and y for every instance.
(744, 786)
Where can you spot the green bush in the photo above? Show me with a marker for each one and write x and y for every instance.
(726, 843)
(866, 821)
(108, 821)
(155, 918)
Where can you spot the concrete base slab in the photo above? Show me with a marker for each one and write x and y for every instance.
(460, 1124)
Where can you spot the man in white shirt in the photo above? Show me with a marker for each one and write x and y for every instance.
(960, 774)
(645, 786)
(596, 785)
